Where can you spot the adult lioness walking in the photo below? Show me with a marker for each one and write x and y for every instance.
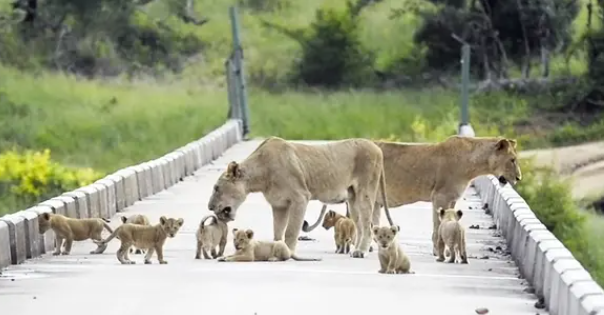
(440, 172)
(291, 174)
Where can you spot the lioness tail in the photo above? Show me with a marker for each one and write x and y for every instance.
(384, 198)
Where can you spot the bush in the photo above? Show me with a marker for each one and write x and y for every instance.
(31, 177)
(551, 200)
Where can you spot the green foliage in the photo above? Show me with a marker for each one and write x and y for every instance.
(551, 200)
(332, 54)
(30, 177)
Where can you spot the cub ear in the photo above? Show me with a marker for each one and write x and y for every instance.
(180, 221)
(235, 231)
(124, 219)
(375, 229)
(162, 220)
(459, 214)
(249, 233)
(395, 229)
(502, 145)
(46, 216)
(233, 170)
(331, 214)
(441, 212)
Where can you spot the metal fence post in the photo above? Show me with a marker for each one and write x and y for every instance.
(239, 70)
(465, 129)
(233, 96)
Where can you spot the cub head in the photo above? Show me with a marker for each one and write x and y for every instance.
(503, 161)
(44, 222)
(330, 219)
(229, 193)
(449, 215)
(385, 235)
(171, 225)
(242, 238)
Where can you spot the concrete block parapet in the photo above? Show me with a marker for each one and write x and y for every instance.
(5, 248)
(567, 288)
(17, 237)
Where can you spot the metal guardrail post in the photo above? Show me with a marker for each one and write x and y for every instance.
(239, 70)
(465, 129)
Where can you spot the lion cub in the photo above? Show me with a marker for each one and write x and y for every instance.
(451, 234)
(71, 229)
(391, 255)
(345, 231)
(211, 235)
(248, 249)
(149, 237)
(140, 219)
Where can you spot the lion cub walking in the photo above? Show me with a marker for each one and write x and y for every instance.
(345, 231)
(149, 237)
(391, 255)
(71, 229)
(211, 235)
(451, 234)
(140, 219)
(248, 249)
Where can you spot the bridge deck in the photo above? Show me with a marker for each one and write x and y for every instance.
(99, 285)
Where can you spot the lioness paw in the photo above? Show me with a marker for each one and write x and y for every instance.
(440, 259)
(163, 262)
(358, 254)
(390, 272)
(221, 259)
(148, 262)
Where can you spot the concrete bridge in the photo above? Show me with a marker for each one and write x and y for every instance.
(513, 261)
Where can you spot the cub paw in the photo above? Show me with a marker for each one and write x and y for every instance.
(221, 259)
(147, 262)
(138, 252)
(381, 271)
(391, 272)
(56, 253)
(358, 254)
(371, 248)
(65, 253)
(163, 262)
(440, 259)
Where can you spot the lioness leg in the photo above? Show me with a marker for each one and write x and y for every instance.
(297, 210)
(58, 244)
(280, 219)
(149, 254)
(213, 253)
(362, 205)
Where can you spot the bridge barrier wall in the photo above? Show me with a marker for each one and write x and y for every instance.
(19, 235)
(567, 288)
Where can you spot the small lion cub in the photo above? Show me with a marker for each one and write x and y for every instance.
(211, 235)
(136, 219)
(451, 234)
(345, 230)
(149, 237)
(71, 229)
(391, 255)
(247, 249)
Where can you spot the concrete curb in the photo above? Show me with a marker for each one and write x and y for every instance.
(543, 260)
(19, 233)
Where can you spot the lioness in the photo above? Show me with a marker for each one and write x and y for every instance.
(248, 249)
(209, 236)
(440, 172)
(136, 219)
(149, 237)
(451, 234)
(71, 229)
(291, 174)
(391, 255)
(344, 230)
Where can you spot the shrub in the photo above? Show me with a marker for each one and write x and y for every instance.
(30, 177)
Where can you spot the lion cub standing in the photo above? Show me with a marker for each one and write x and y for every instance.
(211, 235)
(345, 231)
(149, 237)
(248, 249)
(451, 234)
(391, 255)
(71, 229)
(140, 219)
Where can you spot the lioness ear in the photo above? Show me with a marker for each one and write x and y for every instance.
(502, 145)
(441, 212)
(180, 221)
(513, 142)
(233, 170)
(395, 229)
(249, 233)
(46, 216)
(124, 219)
(162, 220)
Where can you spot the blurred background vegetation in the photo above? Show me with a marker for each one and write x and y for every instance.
(106, 84)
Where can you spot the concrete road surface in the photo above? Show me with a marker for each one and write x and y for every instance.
(83, 284)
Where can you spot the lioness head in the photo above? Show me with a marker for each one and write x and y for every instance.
(229, 193)
(43, 222)
(449, 215)
(503, 162)
(171, 225)
(242, 238)
(330, 219)
(385, 235)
